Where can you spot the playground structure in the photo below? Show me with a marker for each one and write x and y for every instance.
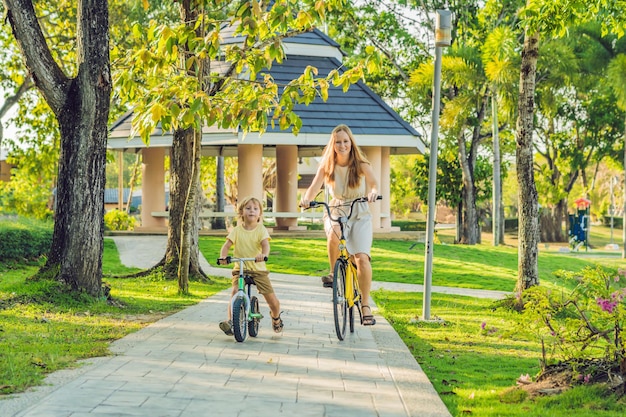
(579, 224)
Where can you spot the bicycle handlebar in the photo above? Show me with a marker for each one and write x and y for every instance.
(351, 204)
(231, 259)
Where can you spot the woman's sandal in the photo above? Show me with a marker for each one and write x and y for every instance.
(368, 319)
(277, 323)
(327, 281)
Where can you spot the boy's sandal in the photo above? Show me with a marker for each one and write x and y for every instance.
(368, 319)
(277, 323)
(227, 327)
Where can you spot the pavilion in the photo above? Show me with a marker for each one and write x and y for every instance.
(378, 129)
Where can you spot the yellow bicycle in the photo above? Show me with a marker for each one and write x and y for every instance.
(346, 292)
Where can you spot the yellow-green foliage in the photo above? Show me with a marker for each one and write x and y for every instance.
(584, 323)
(118, 220)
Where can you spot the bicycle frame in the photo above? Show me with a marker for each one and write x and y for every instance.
(243, 302)
(353, 292)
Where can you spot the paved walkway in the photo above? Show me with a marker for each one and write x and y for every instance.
(183, 365)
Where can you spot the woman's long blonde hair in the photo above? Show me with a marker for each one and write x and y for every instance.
(357, 157)
(245, 202)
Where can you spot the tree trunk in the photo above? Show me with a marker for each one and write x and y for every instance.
(497, 223)
(81, 106)
(218, 222)
(470, 229)
(527, 274)
(194, 254)
(182, 252)
(184, 185)
(459, 223)
(467, 161)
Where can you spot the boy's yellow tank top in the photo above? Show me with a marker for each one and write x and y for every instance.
(247, 244)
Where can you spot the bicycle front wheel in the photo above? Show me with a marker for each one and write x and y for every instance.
(240, 320)
(340, 306)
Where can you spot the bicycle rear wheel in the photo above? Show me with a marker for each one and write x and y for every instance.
(240, 320)
(253, 324)
(340, 306)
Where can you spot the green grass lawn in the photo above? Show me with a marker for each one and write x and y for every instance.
(473, 369)
(42, 329)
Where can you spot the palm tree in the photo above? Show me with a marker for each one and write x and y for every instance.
(500, 59)
(465, 101)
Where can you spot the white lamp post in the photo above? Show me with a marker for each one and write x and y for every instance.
(443, 37)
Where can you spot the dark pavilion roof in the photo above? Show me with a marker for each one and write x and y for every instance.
(359, 107)
(372, 121)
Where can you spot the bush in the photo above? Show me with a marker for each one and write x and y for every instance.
(617, 221)
(24, 238)
(511, 224)
(584, 324)
(409, 225)
(118, 220)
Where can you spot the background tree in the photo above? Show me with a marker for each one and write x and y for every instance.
(552, 19)
(449, 181)
(81, 105)
(404, 196)
(465, 103)
(35, 140)
(577, 121)
(33, 144)
(500, 57)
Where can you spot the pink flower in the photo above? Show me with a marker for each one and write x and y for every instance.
(606, 305)
(482, 325)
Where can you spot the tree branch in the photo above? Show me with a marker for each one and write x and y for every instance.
(44, 70)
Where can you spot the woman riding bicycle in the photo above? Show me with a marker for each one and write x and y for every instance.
(347, 173)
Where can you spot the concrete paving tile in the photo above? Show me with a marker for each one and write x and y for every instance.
(165, 403)
(125, 399)
(127, 411)
(50, 412)
(321, 383)
(310, 410)
(355, 406)
(362, 385)
(317, 396)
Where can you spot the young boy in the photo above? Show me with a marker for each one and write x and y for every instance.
(251, 240)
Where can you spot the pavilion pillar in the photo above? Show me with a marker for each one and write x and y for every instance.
(286, 185)
(385, 188)
(153, 187)
(373, 154)
(250, 172)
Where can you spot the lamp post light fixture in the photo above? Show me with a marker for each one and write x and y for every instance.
(443, 37)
